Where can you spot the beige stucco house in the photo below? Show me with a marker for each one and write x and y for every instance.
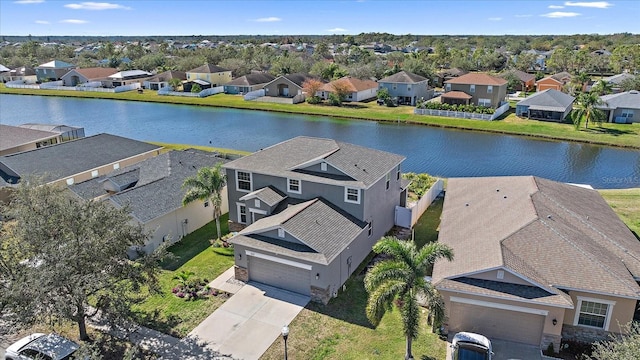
(535, 261)
(479, 89)
(214, 75)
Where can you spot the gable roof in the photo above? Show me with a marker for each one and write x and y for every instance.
(477, 79)
(548, 100)
(208, 69)
(13, 136)
(268, 195)
(618, 79)
(167, 75)
(457, 95)
(153, 187)
(561, 76)
(56, 64)
(251, 79)
(129, 73)
(94, 72)
(297, 79)
(323, 229)
(548, 232)
(71, 157)
(627, 99)
(521, 75)
(288, 159)
(3, 68)
(352, 84)
(403, 77)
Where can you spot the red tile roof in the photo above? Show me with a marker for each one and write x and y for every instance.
(456, 95)
(477, 79)
(353, 84)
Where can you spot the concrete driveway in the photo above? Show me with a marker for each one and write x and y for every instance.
(246, 325)
(507, 350)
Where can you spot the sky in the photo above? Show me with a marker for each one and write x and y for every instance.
(318, 17)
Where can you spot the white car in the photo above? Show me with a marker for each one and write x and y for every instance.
(42, 347)
(471, 346)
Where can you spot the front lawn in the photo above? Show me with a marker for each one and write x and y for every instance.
(175, 316)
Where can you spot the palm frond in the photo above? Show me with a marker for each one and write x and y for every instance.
(384, 271)
(380, 300)
(410, 316)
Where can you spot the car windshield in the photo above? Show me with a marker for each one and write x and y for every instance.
(471, 354)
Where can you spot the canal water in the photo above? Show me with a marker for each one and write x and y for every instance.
(442, 152)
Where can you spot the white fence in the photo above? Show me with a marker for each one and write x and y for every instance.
(57, 85)
(252, 95)
(20, 84)
(408, 217)
(464, 115)
(204, 93)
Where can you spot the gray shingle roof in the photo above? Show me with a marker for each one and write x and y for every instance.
(207, 69)
(403, 77)
(13, 136)
(546, 231)
(158, 190)
(268, 195)
(363, 166)
(628, 100)
(72, 157)
(251, 79)
(618, 79)
(549, 100)
(523, 76)
(318, 224)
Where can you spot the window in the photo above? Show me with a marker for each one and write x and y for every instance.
(352, 195)
(627, 113)
(447, 87)
(323, 166)
(472, 88)
(94, 173)
(206, 204)
(489, 89)
(593, 312)
(116, 166)
(256, 203)
(409, 88)
(484, 102)
(281, 232)
(387, 181)
(369, 229)
(394, 87)
(398, 174)
(500, 274)
(243, 181)
(242, 214)
(293, 186)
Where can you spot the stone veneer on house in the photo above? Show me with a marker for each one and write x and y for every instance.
(241, 273)
(235, 226)
(584, 334)
(551, 339)
(320, 295)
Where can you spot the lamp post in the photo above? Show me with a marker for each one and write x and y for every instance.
(285, 335)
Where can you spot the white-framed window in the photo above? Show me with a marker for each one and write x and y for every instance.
(484, 102)
(116, 166)
(281, 233)
(70, 181)
(594, 313)
(242, 213)
(369, 229)
(243, 181)
(472, 88)
(398, 173)
(627, 113)
(447, 87)
(352, 195)
(387, 181)
(323, 166)
(490, 89)
(294, 186)
(256, 203)
(95, 173)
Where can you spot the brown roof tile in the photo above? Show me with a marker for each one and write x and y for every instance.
(477, 79)
(457, 95)
(353, 84)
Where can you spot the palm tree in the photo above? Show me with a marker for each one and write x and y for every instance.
(602, 87)
(400, 279)
(175, 83)
(586, 108)
(206, 185)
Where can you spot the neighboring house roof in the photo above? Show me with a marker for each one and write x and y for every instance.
(268, 195)
(95, 72)
(352, 84)
(251, 79)
(13, 136)
(403, 77)
(542, 230)
(521, 75)
(561, 76)
(362, 166)
(71, 157)
(477, 79)
(323, 229)
(298, 79)
(627, 99)
(150, 188)
(128, 74)
(168, 75)
(198, 81)
(23, 71)
(452, 72)
(548, 100)
(4, 68)
(56, 64)
(457, 95)
(618, 79)
(50, 127)
(208, 69)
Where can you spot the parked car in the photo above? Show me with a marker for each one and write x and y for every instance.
(42, 347)
(471, 346)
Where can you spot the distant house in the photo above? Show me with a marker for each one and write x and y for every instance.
(160, 81)
(616, 81)
(5, 72)
(478, 88)
(359, 90)
(53, 70)
(448, 74)
(79, 76)
(23, 73)
(527, 81)
(622, 108)
(556, 81)
(288, 86)
(547, 105)
(214, 75)
(536, 262)
(247, 83)
(126, 77)
(26, 137)
(152, 189)
(407, 87)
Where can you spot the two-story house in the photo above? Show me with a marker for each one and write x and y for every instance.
(212, 74)
(308, 211)
(407, 87)
(479, 89)
(53, 70)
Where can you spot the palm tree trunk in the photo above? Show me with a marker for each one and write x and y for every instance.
(408, 355)
(218, 226)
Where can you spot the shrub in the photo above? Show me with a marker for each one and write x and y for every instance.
(314, 100)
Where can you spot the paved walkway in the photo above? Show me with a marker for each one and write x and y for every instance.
(256, 313)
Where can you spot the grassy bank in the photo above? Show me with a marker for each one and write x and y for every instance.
(168, 146)
(626, 203)
(625, 135)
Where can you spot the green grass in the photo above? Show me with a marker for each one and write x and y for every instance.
(168, 146)
(426, 229)
(168, 313)
(626, 203)
(627, 135)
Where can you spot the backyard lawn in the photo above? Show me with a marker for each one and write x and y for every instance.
(166, 312)
(626, 203)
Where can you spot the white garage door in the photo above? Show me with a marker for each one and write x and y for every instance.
(496, 323)
(280, 275)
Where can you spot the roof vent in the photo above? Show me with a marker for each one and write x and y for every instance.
(467, 204)
(505, 197)
(549, 216)
(497, 190)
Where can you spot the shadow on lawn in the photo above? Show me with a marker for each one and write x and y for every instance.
(607, 131)
(154, 321)
(350, 304)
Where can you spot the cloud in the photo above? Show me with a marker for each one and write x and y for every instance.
(560, 14)
(28, 1)
(43, 22)
(96, 6)
(494, 19)
(335, 30)
(269, 19)
(595, 4)
(556, 7)
(524, 16)
(73, 21)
